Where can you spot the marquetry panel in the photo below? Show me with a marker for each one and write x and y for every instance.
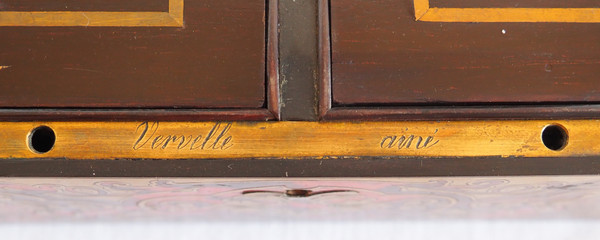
(419, 53)
(166, 54)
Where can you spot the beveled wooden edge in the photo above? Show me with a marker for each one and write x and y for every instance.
(329, 111)
(304, 167)
(74, 115)
(270, 112)
(325, 98)
(273, 95)
(520, 112)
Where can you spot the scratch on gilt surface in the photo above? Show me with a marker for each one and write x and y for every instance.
(88, 19)
(83, 69)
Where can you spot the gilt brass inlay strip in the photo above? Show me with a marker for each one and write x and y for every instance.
(574, 15)
(172, 18)
(176, 140)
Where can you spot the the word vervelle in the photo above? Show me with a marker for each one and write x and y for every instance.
(217, 138)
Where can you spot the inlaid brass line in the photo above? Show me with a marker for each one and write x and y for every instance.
(425, 13)
(172, 18)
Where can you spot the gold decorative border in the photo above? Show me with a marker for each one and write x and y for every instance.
(172, 18)
(203, 140)
(572, 15)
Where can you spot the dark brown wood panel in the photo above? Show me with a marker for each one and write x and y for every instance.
(382, 56)
(216, 60)
(84, 5)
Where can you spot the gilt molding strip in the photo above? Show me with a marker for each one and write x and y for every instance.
(172, 18)
(425, 13)
(204, 140)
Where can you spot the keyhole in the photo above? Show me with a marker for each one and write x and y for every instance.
(298, 193)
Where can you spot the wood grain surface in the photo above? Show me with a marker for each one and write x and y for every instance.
(216, 59)
(202, 140)
(381, 56)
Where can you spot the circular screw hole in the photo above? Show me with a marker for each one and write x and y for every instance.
(555, 137)
(41, 139)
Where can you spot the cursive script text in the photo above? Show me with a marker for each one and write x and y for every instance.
(217, 138)
(406, 141)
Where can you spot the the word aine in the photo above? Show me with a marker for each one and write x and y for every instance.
(408, 141)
